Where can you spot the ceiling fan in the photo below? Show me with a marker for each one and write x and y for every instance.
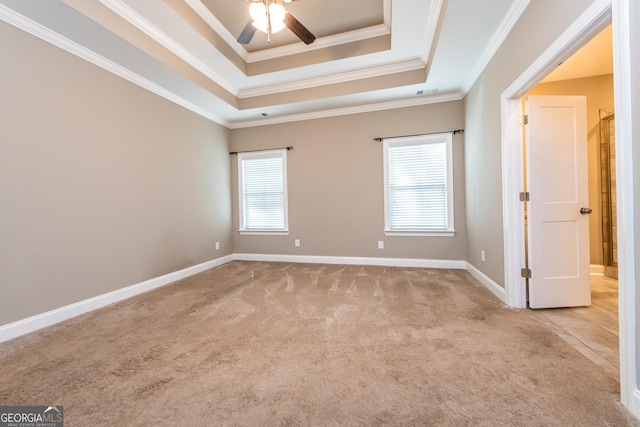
(270, 17)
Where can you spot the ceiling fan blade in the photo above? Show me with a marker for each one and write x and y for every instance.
(247, 33)
(298, 29)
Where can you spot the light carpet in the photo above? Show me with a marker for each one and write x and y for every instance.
(257, 344)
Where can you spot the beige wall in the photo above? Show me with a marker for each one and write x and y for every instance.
(335, 179)
(102, 184)
(540, 25)
(599, 93)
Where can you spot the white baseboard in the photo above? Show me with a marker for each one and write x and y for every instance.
(496, 289)
(387, 262)
(39, 321)
(634, 405)
(596, 269)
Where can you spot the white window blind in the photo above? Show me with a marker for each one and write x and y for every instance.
(263, 191)
(418, 185)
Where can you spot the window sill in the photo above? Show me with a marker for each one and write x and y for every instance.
(434, 233)
(264, 232)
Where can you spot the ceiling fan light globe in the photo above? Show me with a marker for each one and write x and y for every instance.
(258, 12)
(277, 26)
(277, 12)
(261, 25)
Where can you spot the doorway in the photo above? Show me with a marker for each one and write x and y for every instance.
(513, 154)
(592, 22)
(593, 328)
(589, 73)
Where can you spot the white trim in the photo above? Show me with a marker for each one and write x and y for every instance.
(349, 76)
(389, 144)
(485, 280)
(204, 13)
(596, 270)
(320, 43)
(633, 402)
(367, 108)
(593, 20)
(513, 209)
(296, 48)
(628, 237)
(431, 31)
(39, 321)
(281, 154)
(513, 15)
(386, 262)
(488, 283)
(49, 318)
(264, 232)
(37, 30)
(590, 23)
(431, 233)
(134, 18)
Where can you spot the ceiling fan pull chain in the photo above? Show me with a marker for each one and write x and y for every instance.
(268, 3)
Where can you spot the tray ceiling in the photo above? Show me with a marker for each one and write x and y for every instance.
(368, 55)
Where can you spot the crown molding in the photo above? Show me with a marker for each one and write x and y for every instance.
(134, 18)
(399, 67)
(320, 43)
(430, 30)
(17, 20)
(126, 12)
(43, 33)
(513, 15)
(366, 108)
(296, 48)
(204, 13)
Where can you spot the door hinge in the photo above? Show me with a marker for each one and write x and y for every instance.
(525, 196)
(523, 120)
(526, 273)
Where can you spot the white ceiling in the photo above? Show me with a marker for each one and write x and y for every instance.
(369, 55)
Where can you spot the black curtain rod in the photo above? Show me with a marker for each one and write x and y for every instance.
(233, 153)
(419, 134)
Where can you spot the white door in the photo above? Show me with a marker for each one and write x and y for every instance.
(557, 213)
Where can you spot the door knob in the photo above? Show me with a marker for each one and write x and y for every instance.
(586, 211)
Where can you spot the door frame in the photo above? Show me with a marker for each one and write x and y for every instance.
(600, 14)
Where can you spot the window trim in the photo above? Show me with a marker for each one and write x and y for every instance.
(279, 153)
(445, 137)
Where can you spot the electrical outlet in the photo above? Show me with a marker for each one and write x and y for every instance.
(297, 243)
(217, 246)
(482, 258)
(380, 244)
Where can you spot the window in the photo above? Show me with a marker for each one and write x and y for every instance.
(262, 189)
(418, 185)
